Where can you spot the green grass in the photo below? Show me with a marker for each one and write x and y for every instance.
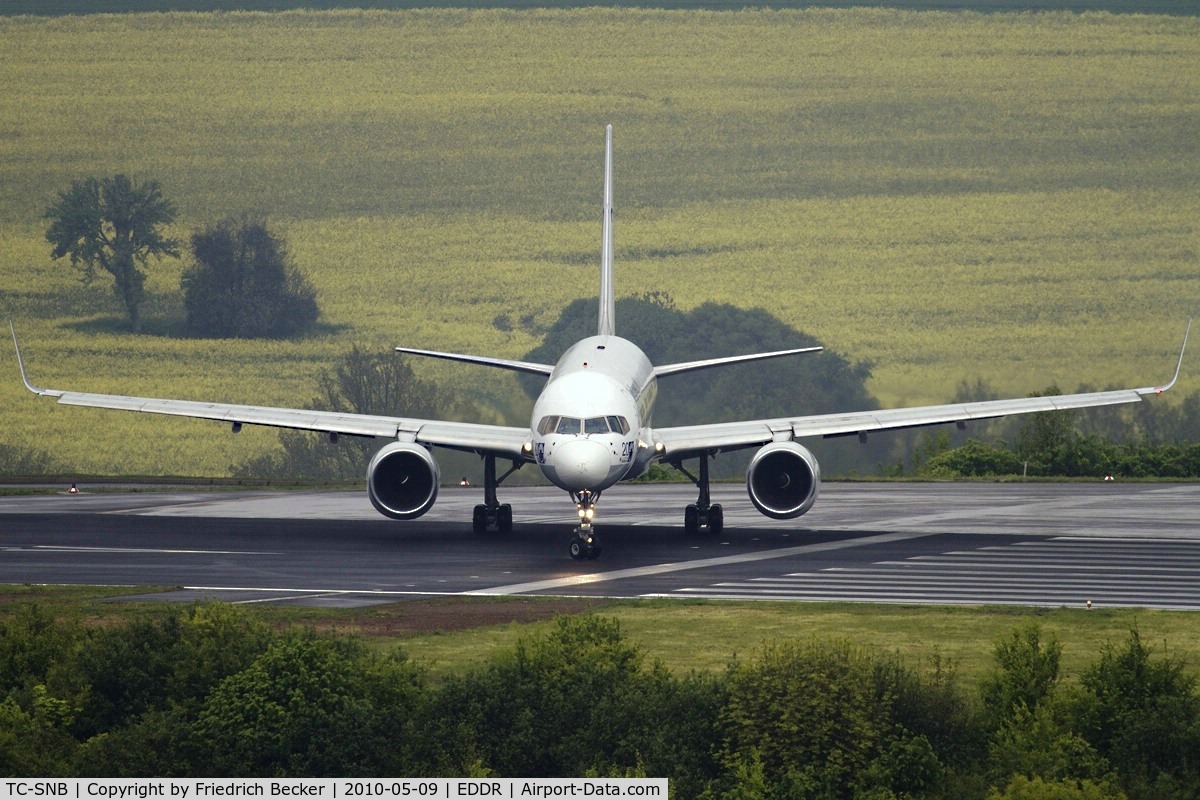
(58, 7)
(707, 635)
(947, 195)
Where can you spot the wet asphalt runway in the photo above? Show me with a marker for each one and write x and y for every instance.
(1027, 544)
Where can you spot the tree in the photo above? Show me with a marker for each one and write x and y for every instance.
(360, 383)
(1045, 437)
(114, 224)
(243, 284)
(825, 720)
(815, 383)
(1022, 788)
(1025, 674)
(309, 705)
(973, 459)
(1143, 714)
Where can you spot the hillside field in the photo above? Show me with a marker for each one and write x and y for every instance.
(1011, 197)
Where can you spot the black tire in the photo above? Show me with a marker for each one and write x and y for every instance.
(716, 519)
(479, 519)
(504, 518)
(577, 549)
(691, 520)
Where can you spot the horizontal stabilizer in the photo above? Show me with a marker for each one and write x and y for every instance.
(688, 366)
(501, 363)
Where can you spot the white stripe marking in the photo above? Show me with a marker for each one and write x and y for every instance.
(703, 563)
(55, 548)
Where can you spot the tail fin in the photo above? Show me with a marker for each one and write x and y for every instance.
(607, 298)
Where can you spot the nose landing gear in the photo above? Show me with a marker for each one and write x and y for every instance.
(585, 542)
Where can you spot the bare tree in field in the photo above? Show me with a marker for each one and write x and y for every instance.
(114, 224)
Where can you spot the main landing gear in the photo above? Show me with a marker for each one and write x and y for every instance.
(585, 542)
(702, 513)
(491, 513)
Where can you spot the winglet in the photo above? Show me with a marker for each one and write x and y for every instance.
(1179, 366)
(607, 297)
(21, 365)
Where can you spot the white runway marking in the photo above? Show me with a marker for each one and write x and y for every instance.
(660, 569)
(1063, 571)
(55, 548)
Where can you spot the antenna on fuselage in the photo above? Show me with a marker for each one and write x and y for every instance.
(607, 298)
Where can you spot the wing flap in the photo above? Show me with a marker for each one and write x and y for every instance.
(682, 441)
(459, 435)
(299, 419)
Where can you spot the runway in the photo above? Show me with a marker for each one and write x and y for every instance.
(1025, 544)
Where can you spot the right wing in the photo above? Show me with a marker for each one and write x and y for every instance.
(692, 440)
(495, 439)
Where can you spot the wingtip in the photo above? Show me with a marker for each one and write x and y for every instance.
(21, 366)
(1179, 364)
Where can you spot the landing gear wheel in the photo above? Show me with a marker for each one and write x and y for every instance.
(577, 549)
(584, 545)
(716, 519)
(479, 519)
(691, 520)
(504, 518)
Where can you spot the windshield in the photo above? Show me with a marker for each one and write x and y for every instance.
(589, 426)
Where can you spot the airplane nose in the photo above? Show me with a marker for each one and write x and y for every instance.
(581, 464)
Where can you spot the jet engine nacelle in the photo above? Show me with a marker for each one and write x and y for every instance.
(402, 480)
(783, 480)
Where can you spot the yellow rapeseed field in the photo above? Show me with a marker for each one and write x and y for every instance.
(1013, 197)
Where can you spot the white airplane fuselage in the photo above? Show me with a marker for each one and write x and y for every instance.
(590, 423)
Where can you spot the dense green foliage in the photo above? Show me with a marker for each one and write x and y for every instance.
(944, 195)
(115, 225)
(208, 691)
(243, 284)
(1142, 440)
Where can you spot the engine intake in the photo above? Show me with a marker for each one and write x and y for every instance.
(402, 480)
(783, 480)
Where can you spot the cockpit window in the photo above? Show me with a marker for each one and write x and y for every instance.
(567, 425)
(619, 425)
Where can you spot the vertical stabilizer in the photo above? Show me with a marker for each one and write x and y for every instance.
(607, 298)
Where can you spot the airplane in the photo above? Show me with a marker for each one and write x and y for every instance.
(591, 427)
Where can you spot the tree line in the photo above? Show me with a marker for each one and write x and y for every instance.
(207, 690)
(242, 283)
(1143, 440)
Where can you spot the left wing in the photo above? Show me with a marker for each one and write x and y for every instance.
(690, 440)
(495, 439)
